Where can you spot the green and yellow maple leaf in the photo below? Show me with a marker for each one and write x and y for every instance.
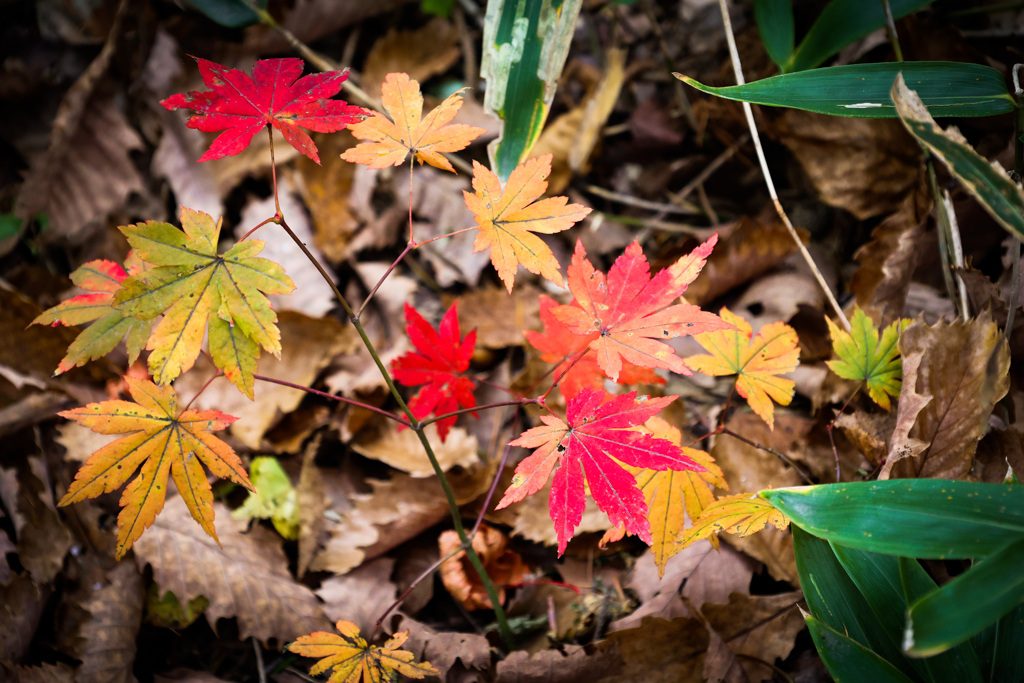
(352, 658)
(866, 358)
(190, 284)
(757, 361)
(164, 442)
(100, 279)
(742, 514)
(672, 495)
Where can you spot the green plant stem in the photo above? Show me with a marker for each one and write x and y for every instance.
(474, 559)
(945, 230)
(890, 29)
(1018, 172)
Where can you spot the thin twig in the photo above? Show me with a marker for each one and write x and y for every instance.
(415, 582)
(781, 456)
(463, 411)
(334, 397)
(259, 660)
(738, 70)
(684, 208)
(708, 170)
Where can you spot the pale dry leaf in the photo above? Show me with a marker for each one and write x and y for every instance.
(901, 444)
(869, 432)
(246, 577)
(401, 448)
(763, 628)
(43, 540)
(360, 596)
(80, 442)
(964, 368)
(325, 190)
(597, 109)
(444, 649)
(570, 665)
(865, 166)
(311, 501)
(307, 344)
(108, 634)
(498, 318)
(45, 673)
(421, 53)
(312, 295)
(175, 157)
(438, 205)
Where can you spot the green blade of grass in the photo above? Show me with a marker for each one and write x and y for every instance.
(848, 660)
(862, 90)
(775, 22)
(929, 518)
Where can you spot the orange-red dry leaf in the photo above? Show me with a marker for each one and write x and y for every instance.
(393, 136)
(164, 442)
(758, 362)
(504, 566)
(352, 658)
(742, 514)
(507, 218)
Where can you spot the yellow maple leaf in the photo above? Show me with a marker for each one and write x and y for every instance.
(672, 495)
(352, 658)
(507, 218)
(742, 514)
(757, 361)
(393, 136)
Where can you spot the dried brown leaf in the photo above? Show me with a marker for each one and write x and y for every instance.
(868, 432)
(499, 319)
(552, 666)
(245, 577)
(445, 650)
(762, 628)
(325, 190)
(901, 444)
(421, 53)
(360, 596)
(658, 651)
(503, 565)
(109, 633)
(964, 367)
(21, 605)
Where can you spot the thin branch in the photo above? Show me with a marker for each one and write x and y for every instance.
(415, 582)
(738, 70)
(781, 456)
(486, 406)
(333, 397)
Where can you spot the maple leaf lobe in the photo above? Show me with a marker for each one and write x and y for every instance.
(242, 105)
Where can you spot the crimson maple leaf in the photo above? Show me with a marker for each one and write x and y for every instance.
(440, 357)
(595, 434)
(573, 372)
(242, 105)
(632, 313)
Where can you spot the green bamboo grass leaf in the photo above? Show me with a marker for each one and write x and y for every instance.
(841, 23)
(862, 90)
(878, 578)
(998, 647)
(863, 357)
(848, 660)
(928, 518)
(967, 604)
(987, 182)
(525, 45)
(775, 22)
(835, 599)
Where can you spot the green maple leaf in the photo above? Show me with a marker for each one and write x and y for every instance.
(189, 282)
(864, 357)
(100, 279)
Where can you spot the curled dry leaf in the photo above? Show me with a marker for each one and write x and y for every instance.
(505, 567)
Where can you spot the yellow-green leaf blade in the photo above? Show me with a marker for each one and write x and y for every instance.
(864, 357)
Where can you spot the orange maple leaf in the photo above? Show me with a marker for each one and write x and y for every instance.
(161, 440)
(393, 136)
(758, 362)
(672, 495)
(507, 217)
(742, 514)
(352, 658)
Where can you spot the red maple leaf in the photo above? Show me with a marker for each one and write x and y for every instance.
(595, 435)
(242, 105)
(632, 313)
(573, 372)
(440, 358)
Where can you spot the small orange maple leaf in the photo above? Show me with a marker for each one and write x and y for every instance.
(758, 361)
(161, 440)
(507, 217)
(392, 137)
(352, 658)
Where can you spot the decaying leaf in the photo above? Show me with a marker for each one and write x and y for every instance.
(742, 514)
(164, 442)
(757, 361)
(275, 95)
(508, 216)
(349, 657)
(109, 634)
(191, 284)
(632, 313)
(866, 358)
(401, 448)
(595, 435)
(504, 566)
(100, 279)
(391, 137)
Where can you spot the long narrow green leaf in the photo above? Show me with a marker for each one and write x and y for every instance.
(987, 182)
(968, 603)
(878, 579)
(862, 90)
(930, 518)
(841, 23)
(848, 660)
(775, 22)
(834, 599)
(525, 45)
(998, 647)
